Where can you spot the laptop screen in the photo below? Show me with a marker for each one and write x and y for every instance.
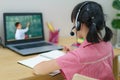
(22, 27)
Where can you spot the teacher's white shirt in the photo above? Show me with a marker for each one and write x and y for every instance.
(20, 33)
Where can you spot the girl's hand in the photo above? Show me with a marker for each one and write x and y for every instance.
(67, 49)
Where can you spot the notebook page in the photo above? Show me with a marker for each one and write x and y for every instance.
(53, 54)
(31, 62)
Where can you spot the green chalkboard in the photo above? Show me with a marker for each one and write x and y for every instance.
(35, 28)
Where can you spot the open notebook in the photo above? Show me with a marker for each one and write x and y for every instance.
(31, 62)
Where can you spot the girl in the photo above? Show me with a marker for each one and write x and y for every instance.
(93, 58)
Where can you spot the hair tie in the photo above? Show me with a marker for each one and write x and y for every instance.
(94, 24)
(92, 17)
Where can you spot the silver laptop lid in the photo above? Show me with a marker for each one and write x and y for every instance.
(23, 27)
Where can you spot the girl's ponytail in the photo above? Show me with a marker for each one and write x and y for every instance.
(92, 35)
(108, 34)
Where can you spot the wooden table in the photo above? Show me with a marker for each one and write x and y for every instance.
(11, 70)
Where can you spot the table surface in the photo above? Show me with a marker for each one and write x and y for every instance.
(11, 70)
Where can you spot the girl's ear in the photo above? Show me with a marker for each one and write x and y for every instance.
(81, 26)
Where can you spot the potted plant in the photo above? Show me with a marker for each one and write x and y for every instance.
(116, 21)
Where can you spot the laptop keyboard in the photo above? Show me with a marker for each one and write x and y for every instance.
(26, 46)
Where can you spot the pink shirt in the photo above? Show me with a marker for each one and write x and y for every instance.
(92, 60)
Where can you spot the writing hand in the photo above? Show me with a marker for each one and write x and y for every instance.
(67, 48)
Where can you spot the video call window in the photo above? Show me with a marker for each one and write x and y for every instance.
(22, 26)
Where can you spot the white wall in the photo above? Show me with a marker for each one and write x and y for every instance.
(56, 11)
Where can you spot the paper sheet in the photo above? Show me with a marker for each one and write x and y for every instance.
(53, 54)
(31, 62)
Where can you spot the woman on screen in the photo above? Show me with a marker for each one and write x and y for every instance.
(20, 33)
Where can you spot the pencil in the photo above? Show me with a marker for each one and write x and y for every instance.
(50, 27)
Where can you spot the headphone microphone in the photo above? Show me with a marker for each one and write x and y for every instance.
(72, 33)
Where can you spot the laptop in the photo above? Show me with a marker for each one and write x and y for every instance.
(31, 40)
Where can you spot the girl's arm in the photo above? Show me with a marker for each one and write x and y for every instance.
(46, 67)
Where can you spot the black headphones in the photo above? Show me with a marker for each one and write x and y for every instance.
(78, 23)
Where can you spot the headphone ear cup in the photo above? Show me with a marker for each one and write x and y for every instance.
(78, 25)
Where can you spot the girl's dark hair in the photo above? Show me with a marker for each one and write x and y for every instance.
(91, 14)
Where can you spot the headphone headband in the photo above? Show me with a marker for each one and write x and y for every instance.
(78, 24)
